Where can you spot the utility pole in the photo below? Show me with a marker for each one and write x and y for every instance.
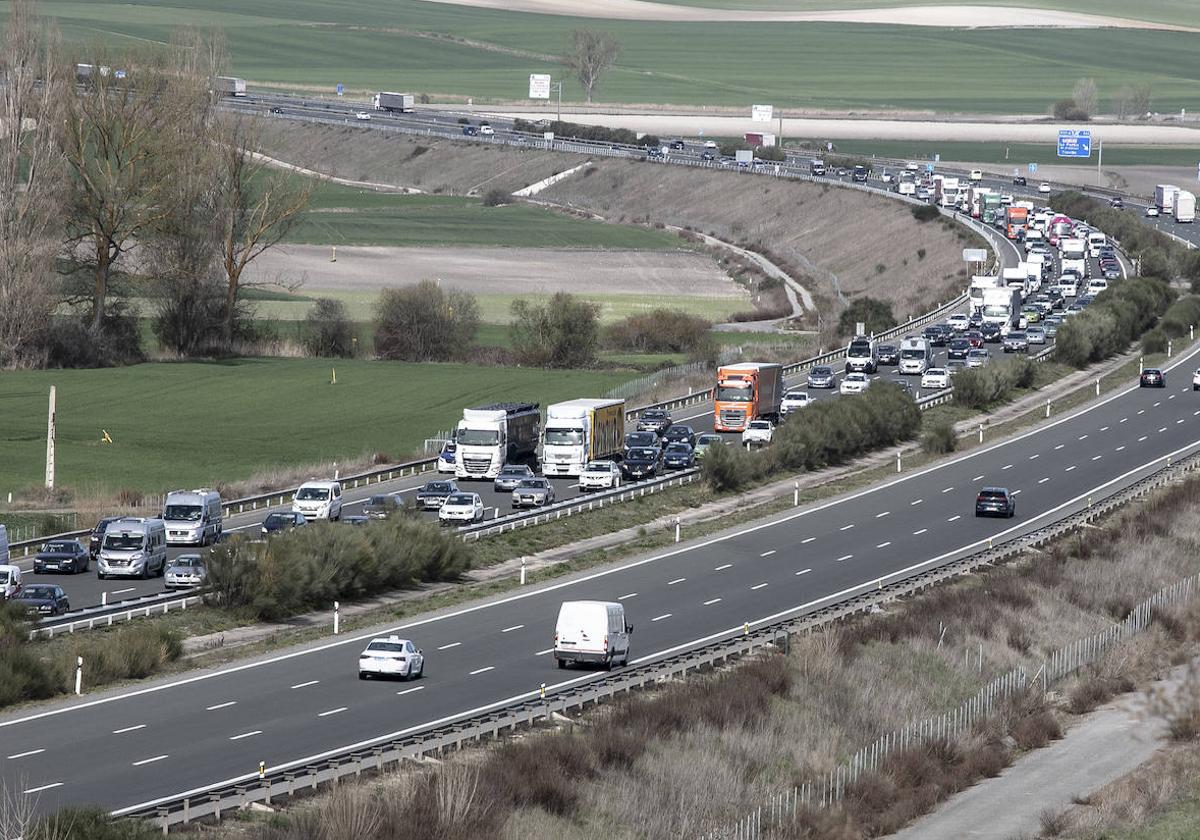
(50, 442)
(1099, 162)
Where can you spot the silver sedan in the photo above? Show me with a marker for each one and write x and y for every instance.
(533, 492)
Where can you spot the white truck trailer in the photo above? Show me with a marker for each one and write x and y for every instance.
(579, 431)
(398, 103)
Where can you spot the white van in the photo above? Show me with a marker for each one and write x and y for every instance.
(591, 631)
(914, 356)
(192, 517)
(318, 500)
(1095, 241)
(133, 547)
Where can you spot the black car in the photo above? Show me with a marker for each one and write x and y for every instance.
(62, 556)
(1152, 378)
(641, 463)
(1019, 180)
(97, 535)
(887, 354)
(1116, 202)
(860, 174)
(679, 433)
(707, 156)
(283, 521)
(470, 130)
(655, 153)
(678, 456)
(937, 335)
(990, 332)
(958, 347)
(44, 599)
(676, 144)
(434, 493)
(654, 420)
(634, 440)
(995, 501)
(275, 109)
(381, 506)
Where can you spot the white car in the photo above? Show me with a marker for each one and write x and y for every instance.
(855, 383)
(959, 322)
(976, 175)
(362, 115)
(935, 378)
(463, 508)
(1196, 380)
(391, 657)
(1151, 211)
(318, 500)
(758, 431)
(600, 475)
(793, 400)
(1044, 188)
(710, 144)
(486, 130)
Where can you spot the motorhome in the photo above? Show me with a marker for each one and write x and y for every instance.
(192, 517)
(133, 547)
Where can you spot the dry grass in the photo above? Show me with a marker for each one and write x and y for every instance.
(693, 756)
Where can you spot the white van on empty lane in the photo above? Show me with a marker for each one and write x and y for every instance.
(591, 632)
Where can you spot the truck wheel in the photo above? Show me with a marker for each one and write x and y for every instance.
(562, 664)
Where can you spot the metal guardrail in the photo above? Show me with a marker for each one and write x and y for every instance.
(277, 783)
(105, 616)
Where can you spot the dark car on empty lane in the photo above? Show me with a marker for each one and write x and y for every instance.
(383, 505)
(995, 501)
(283, 521)
(44, 599)
(1152, 378)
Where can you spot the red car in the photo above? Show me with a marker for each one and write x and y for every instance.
(975, 337)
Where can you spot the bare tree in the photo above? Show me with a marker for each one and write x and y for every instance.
(592, 53)
(258, 206)
(116, 140)
(31, 87)
(1085, 96)
(1133, 101)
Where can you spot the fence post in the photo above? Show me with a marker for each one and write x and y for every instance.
(336, 617)
(522, 571)
(676, 529)
(981, 433)
(796, 493)
(1047, 408)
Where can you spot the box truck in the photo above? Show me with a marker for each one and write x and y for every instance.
(1016, 219)
(1185, 207)
(747, 391)
(400, 103)
(231, 86)
(490, 436)
(979, 283)
(1164, 197)
(579, 431)
(1003, 307)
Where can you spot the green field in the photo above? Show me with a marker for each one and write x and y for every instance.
(344, 215)
(305, 45)
(188, 424)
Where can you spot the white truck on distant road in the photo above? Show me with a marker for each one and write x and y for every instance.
(490, 436)
(1164, 197)
(580, 431)
(915, 356)
(231, 86)
(979, 283)
(1017, 277)
(1185, 207)
(400, 103)
(1003, 307)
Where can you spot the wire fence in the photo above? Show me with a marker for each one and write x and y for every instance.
(657, 379)
(787, 807)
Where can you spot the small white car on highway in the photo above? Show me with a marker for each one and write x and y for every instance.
(318, 500)
(1151, 211)
(794, 400)
(758, 432)
(855, 383)
(600, 475)
(1196, 380)
(976, 175)
(391, 657)
(486, 130)
(362, 115)
(959, 322)
(935, 378)
(461, 508)
(1044, 188)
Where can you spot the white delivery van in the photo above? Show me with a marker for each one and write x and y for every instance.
(192, 517)
(318, 500)
(10, 582)
(591, 631)
(915, 356)
(133, 547)
(1095, 241)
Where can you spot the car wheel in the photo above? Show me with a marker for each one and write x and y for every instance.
(421, 670)
(100, 575)
(362, 675)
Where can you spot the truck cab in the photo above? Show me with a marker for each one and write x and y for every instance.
(491, 436)
(747, 391)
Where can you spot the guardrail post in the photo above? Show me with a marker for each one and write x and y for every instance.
(336, 617)
(104, 599)
(1047, 408)
(898, 460)
(1141, 364)
(1169, 348)
(79, 675)
(981, 433)
(1191, 336)
(676, 529)
(796, 493)
(522, 571)
(1097, 386)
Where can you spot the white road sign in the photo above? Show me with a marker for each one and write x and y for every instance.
(761, 113)
(974, 255)
(539, 86)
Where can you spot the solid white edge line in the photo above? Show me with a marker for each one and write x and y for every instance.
(25, 754)
(41, 788)
(350, 640)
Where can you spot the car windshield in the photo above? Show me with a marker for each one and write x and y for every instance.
(640, 455)
(186, 513)
(913, 353)
(378, 501)
(459, 499)
(388, 647)
(122, 542)
(564, 437)
(734, 393)
(978, 354)
(188, 562)
(437, 487)
(35, 592)
(959, 343)
(532, 484)
(313, 494)
(58, 548)
(678, 449)
(478, 437)
(822, 371)
(704, 440)
(598, 467)
(992, 494)
(935, 372)
(449, 449)
(796, 395)
(514, 472)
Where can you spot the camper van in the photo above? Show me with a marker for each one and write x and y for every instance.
(192, 517)
(592, 631)
(133, 547)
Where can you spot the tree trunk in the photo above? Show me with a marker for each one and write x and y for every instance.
(100, 292)
(234, 275)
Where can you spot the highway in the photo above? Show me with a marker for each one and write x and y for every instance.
(130, 747)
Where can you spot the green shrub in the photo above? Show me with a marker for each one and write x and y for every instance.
(1181, 316)
(728, 469)
(662, 331)
(1155, 341)
(92, 823)
(925, 213)
(875, 315)
(1118, 317)
(981, 387)
(495, 198)
(940, 438)
(327, 330)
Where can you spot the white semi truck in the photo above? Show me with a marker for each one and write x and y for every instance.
(579, 431)
(231, 86)
(400, 103)
(979, 283)
(1003, 307)
(490, 436)
(1185, 207)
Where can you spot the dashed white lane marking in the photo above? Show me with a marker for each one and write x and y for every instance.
(1142, 411)
(149, 760)
(1123, 419)
(628, 595)
(1068, 469)
(1142, 438)
(25, 754)
(661, 617)
(1163, 429)
(677, 580)
(1180, 420)
(451, 645)
(1097, 457)
(336, 711)
(1043, 480)
(1034, 457)
(1104, 428)
(41, 788)
(544, 652)
(948, 489)
(1016, 492)
(123, 591)
(1196, 413)
(1060, 446)
(1007, 467)
(713, 601)
(417, 688)
(767, 553)
(881, 515)
(129, 729)
(245, 735)
(757, 586)
(1157, 404)
(978, 477)
(846, 527)
(918, 533)
(807, 540)
(955, 517)
(1083, 437)
(220, 706)
(482, 670)
(844, 557)
(806, 571)
(723, 568)
(917, 502)
(306, 684)
(514, 627)
(884, 544)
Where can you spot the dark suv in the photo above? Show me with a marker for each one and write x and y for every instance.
(995, 501)
(887, 354)
(97, 535)
(958, 348)
(654, 420)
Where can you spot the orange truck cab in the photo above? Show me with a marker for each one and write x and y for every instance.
(747, 391)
